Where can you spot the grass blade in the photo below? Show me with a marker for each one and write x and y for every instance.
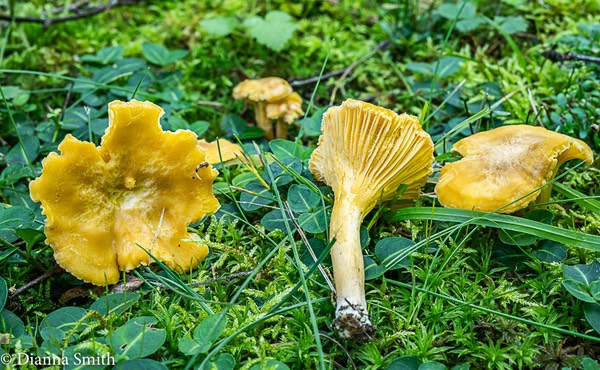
(505, 222)
(578, 197)
(497, 313)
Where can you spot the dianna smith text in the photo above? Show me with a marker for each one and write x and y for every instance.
(77, 359)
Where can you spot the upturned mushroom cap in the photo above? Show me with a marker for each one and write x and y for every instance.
(288, 109)
(229, 150)
(369, 151)
(266, 89)
(505, 164)
(140, 187)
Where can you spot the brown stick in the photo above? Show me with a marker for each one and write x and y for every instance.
(92, 10)
(40, 279)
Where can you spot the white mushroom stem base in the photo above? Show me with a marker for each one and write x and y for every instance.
(351, 315)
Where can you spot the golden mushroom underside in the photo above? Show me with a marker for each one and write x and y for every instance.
(228, 150)
(139, 188)
(266, 89)
(370, 151)
(506, 167)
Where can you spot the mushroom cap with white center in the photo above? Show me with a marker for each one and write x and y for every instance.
(504, 169)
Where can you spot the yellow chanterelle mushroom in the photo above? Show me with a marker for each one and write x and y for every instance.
(365, 154)
(285, 111)
(504, 169)
(259, 93)
(226, 148)
(141, 187)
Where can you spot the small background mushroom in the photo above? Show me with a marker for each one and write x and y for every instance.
(503, 169)
(141, 187)
(271, 98)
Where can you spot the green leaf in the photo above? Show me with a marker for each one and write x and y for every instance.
(509, 255)
(160, 55)
(279, 172)
(115, 303)
(221, 188)
(3, 292)
(190, 347)
(274, 220)
(462, 367)
(144, 363)
(579, 279)
(512, 24)
(32, 149)
(318, 247)
(261, 196)
(312, 124)
(210, 329)
(469, 24)
(432, 365)
(314, 222)
(447, 66)
(11, 324)
(270, 365)
(61, 321)
(302, 199)
(451, 11)
(506, 222)
(549, 251)
(274, 31)
(517, 238)
(243, 179)
(592, 314)
(540, 215)
(589, 364)
(372, 270)
(219, 26)
(200, 127)
(11, 92)
(30, 236)
(224, 361)
(595, 290)
(137, 338)
(87, 356)
(405, 363)
(583, 273)
(578, 290)
(205, 334)
(392, 252)
(283, 149)
(105, 56)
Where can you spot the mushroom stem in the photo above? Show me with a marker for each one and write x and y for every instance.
(351, 315)
(260, 115)
(281, 129)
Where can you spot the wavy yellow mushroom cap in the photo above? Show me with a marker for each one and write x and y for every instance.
(102, 202)
(268, 89)
(229, 150)
(288, 108)
(504, 164)
(370, 151)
